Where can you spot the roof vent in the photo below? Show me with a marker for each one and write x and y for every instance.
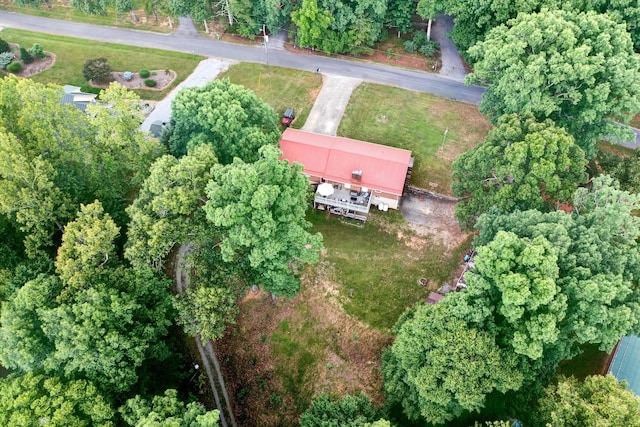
(356, 175)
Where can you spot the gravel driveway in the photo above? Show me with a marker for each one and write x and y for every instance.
(452, 65)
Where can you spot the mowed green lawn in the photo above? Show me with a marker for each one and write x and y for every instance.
(281, 88)
(72, 53)
(377, 267)
(417, 122)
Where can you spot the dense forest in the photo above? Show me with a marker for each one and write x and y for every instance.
(92, 208)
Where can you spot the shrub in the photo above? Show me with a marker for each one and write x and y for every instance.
(410, 46)
(4, 46)
(5, 59)
(90, 89)
(429, 48)
(150, 82)
(14, 67)
(127, 75)
(25, 56)
(97, 70)
(420, 38)
(144, 73)
(36, 50)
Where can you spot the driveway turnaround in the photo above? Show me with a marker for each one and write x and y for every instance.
(413, 80)
(206, 71)
(329, 107)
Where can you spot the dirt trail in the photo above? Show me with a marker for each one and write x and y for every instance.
(207, 354)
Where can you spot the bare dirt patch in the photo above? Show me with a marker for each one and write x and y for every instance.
(345, 352)
(433, 217)
(163, 79)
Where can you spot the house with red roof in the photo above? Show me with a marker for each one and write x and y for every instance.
(349, 175)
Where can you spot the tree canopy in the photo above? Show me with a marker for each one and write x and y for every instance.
(522, 164)
(166, 410)
(259, 209)
(34, 399)
(168, 208)
(596, 401)
(97, 323)
(578, 69)
(474, 19)
(440, 366)
(228, 116)
(53, 157)
(597, 260)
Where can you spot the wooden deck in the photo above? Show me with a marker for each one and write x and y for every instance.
(351, 204)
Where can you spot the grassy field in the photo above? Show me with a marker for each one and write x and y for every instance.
(71, 54)
(417, 122)
(281, 88)
(374, 267)
(62, 10)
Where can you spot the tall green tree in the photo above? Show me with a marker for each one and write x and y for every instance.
(260, 211)
(522, 164)
(167, 410)
(597, 260)
(440, 366)
(35, 399)
(206, 310)
(168, 209)
(514, 284)
(55, 157)
(313, 26)
(229, 117)
(596, 401)
(30, 197)
(578, 69)
(87, 245)
(399, 14)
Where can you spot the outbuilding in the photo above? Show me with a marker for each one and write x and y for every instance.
(625, 364)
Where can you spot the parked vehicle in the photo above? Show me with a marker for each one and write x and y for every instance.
(288, 117)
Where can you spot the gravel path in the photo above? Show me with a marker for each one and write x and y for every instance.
(452, 65)
(330, 104)
(206, 71)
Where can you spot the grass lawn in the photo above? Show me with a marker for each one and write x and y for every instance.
(281, 88)
(72, 53)
(62, 10)
(417, 122)
(377, 267)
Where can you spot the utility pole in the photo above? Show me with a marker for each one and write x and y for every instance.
(266, 42)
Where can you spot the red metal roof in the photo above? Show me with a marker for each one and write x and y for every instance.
(334, 158)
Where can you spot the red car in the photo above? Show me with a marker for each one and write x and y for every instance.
(288, 117)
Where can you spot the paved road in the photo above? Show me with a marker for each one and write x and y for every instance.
(193, 43)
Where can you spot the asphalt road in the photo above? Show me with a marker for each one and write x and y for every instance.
(196, 44)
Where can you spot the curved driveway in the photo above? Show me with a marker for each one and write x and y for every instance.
(196, 44)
